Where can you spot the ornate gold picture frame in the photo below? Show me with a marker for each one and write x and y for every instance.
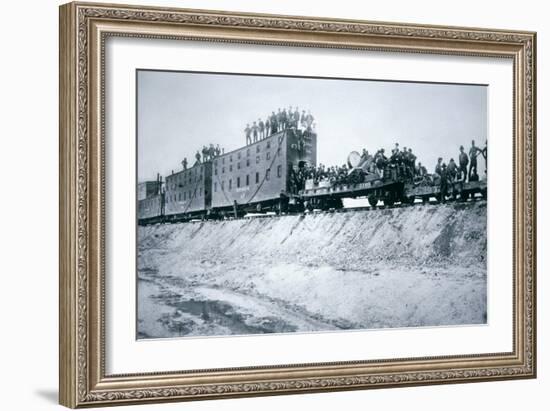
(84, 30)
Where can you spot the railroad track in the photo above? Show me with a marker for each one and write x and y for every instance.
(341, 210)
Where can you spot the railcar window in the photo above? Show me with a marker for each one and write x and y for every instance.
(238, 182)
(223, 185)
(258, 148)
(248, 152)
(248, 162)
(268, 155)
(223, 170)
(239, 155)
(229, 188)
(231, 158)
(257, 159)
(215, 171)
(215, 186)
(279, 171)
(247, 180)
(267, 173)
(257, 178)
(269, 144)
(239, 165)
(231, 168)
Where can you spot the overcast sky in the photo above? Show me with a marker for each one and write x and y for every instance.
(178, 113)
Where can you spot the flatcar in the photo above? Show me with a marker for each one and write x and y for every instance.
(388, 188)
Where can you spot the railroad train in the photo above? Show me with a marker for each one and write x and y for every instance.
(266, 176)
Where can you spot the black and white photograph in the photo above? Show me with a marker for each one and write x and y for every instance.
(282, 204)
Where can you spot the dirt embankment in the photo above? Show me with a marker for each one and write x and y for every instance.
(413, 266)
(430, 234)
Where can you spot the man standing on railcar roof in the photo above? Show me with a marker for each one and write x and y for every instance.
(289, 117)
(198, 156)
(284, 117)
(255, 131)
(274, 123)
(261, 127)
(296, 119)
(267, 127)
(184, 163)
(309, 119)
(303, 119)
(279, 120)
(247, 132)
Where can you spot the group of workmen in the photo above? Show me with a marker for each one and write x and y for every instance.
(466, 169)
(278, 121)
(403, 160)
(334, 174)
(208, 154)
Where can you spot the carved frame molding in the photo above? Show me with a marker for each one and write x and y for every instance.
(83, 30)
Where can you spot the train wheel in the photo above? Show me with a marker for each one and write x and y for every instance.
(484, 194)
(463, 196)
(324, 205)
(425, 199)
(388, 201)
(373, 201)
(337, 203)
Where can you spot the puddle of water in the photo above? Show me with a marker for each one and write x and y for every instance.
(164, 313)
